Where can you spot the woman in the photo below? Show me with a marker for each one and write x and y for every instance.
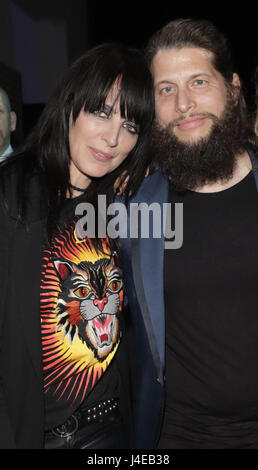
(63, 339)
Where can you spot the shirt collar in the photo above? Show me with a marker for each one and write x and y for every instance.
(7, 152)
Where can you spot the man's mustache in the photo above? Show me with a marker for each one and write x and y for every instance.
(183, 117)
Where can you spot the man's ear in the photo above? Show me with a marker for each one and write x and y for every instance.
(13, 120)
(236, 87)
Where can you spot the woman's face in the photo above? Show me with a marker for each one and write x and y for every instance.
(100, 141)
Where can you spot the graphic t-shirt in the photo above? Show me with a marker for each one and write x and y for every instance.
(81, 322)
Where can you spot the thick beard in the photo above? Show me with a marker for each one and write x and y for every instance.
(210, 159)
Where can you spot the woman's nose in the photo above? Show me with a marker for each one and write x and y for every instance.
(111, 133)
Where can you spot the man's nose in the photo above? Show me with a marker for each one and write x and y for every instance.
(184, 101)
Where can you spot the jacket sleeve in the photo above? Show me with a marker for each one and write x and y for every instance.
(6, 434)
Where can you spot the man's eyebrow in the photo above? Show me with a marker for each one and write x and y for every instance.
(170, 81)
(160, 82)
(198, 75)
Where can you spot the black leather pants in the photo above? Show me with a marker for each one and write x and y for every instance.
(84, 430)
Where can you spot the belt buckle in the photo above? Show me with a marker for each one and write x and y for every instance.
(67, 429)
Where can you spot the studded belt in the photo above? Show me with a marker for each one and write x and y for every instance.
(100, 412)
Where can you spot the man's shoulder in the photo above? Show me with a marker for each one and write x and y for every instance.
(156, 177)
(253, 154)
(152, 187)
(18, 164)
(19, 175)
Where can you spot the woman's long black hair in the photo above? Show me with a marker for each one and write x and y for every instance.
(86, 85)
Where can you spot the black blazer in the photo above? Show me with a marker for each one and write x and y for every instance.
(21, 380)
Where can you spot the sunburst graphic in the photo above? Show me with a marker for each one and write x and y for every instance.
(71, 370)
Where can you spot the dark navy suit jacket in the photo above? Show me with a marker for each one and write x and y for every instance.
(143, 265)
(143, 270)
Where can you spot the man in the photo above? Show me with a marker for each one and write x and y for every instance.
(7, 125)
(206, 291)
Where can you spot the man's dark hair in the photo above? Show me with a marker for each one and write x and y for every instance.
(198, 34)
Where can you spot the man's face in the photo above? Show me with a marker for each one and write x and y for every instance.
(7, 125)
(188, 92)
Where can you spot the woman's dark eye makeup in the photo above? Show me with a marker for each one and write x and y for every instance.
(106, 113)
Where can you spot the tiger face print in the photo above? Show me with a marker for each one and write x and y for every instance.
(90, 302)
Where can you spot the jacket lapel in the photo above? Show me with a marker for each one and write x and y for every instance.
(147, 267)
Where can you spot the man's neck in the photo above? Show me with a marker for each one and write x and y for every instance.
(242, 167)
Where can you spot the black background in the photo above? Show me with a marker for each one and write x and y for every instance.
(134, 22)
